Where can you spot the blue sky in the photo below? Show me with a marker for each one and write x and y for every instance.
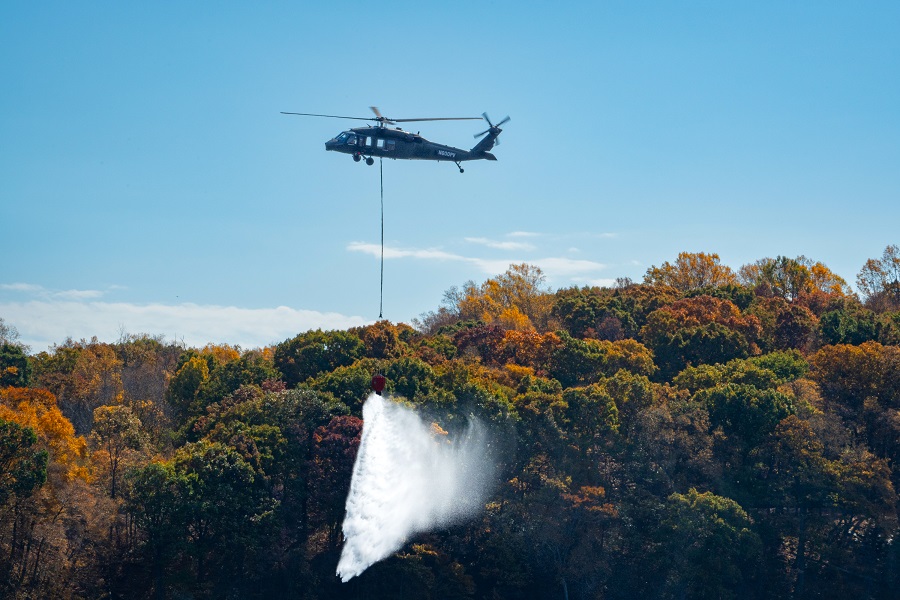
(149, 183)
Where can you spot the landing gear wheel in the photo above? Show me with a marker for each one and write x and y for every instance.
(370, 161)
(356, 157)
(461, 170)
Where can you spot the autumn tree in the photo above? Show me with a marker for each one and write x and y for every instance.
(334, 452)
(691, 270)
(516, 299)
(791, 278)
(185, 385)
(711, 544)
(37, 409)
(22, 466)
(879, 280)
(14, 366)
(582, 362)
(253, 367)
(382, 339)
(116, 431)
(315, 352)
(699, 330)
(23, 469)
(82, 375)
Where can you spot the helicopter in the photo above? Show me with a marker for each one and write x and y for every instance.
(380, 140)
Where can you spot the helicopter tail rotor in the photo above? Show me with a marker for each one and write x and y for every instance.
(494, 128)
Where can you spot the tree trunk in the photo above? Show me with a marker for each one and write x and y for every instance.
(800, 562)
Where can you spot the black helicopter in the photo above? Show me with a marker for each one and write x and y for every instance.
(379, 140)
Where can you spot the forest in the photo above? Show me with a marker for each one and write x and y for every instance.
(708, 432)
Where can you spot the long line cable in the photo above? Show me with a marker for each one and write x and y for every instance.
(381, 298)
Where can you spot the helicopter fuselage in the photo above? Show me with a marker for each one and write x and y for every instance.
(399, 144)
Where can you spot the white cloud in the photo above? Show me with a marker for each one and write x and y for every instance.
(42, 323)
(555, 268)
(390, 252)
(78, 294)
(40, 291)
(523, 234)
(500, 245)
(567, 267)
(21, 287)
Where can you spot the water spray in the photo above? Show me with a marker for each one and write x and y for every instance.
(409, 478)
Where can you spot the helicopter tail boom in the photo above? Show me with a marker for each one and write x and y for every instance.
(483, 147)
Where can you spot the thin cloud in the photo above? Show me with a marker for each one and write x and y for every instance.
(22, 287)
(499, 244)
(555, 268)
(568, 267)
(42, 323)
(390, 252)
(524, 234)
(79, 294)
(40, 291)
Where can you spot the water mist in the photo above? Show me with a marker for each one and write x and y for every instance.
(408, 480)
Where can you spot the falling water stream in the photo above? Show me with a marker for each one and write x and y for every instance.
(408, 479)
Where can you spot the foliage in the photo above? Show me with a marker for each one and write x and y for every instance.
(690, 437)
(691, 271)
(879, 280)
(516, 299)
(315, 352)
(699, 330)
(791, 278)
(14, 366)
(22, 468)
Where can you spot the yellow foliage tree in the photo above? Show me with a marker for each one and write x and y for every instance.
(37, 409)
(221, 353)
(517, 299)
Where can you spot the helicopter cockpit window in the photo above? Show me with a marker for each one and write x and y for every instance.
(351, 139)
(342, 138)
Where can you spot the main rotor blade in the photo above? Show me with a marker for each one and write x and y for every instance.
(439, 119)
(330, 116)
(502, 122)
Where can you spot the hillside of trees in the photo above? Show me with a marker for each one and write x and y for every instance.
(705, 433)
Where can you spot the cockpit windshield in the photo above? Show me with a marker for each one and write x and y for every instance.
(346, 138)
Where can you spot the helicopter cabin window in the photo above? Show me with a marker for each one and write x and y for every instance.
(369, 142)
(379, 143)
(389, 145)
(351, 139)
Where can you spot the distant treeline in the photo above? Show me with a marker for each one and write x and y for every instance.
(707, 433)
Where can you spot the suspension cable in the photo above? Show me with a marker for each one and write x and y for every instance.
(381, 298)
